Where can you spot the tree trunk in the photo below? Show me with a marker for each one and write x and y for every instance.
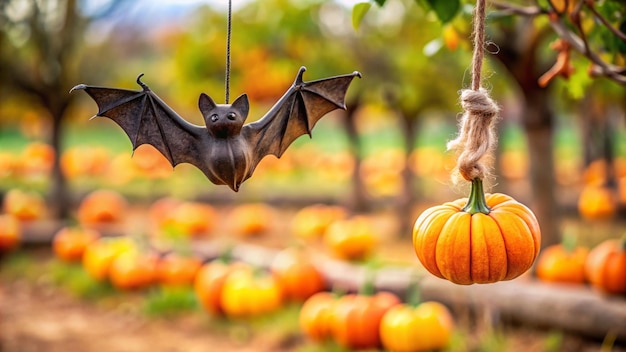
(406, 198)
(59, 198)
(359, 199)
(538, 122)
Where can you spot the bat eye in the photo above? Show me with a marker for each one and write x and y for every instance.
(214, 117)
(231, 115)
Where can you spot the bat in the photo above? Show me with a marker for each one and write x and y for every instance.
(226, 150)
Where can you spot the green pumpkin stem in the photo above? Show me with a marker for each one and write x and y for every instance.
(569, 242)
(368, 287)
(414, 292)
(476, 202)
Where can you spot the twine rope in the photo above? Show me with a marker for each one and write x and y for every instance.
(477, 138)
(228, 35)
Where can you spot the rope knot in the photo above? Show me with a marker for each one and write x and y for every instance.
(479, 103)
(476, 138)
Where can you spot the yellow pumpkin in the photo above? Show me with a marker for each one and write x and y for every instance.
(408, 328)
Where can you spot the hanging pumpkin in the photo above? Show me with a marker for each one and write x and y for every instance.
(483, 239)
(606, 266)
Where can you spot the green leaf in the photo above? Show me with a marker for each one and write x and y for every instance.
(380, 2)
(445, 10)
(358, 12)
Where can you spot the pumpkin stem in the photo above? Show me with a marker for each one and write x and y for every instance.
(623, 242)
(569, 242)
(414, 292)
(368, 288)
(476, 202)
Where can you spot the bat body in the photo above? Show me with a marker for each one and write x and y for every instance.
(225, 149)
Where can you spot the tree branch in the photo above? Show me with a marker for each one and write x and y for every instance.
(578, 43)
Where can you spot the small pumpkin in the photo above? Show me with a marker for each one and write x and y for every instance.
(99, 255)
(69, 243)
(133, 270)
(248, 293)
(253, 219)
(102, 206)
(177, 270)
(411, 328)
(564, 262)
(193, 218)
(209, 284)
(24, 205)
(350, 239)
(606, 266)
(597, 202)
(296, 274)
(312, 221)
(10, 232)
(316, 316)
(483, 239)
(356, 319)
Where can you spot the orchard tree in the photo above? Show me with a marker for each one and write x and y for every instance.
(588, 41)
(41, 59)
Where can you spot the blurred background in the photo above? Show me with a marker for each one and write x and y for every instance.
(561, 149)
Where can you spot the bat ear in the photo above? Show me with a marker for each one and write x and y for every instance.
(242, 105)
(206, 104)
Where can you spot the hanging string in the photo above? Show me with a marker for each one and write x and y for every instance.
(228, 34)
(476, 139)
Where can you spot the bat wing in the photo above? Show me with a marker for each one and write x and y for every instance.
(296, 113)
(146, 119)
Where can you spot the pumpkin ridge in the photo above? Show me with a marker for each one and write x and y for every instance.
(445, 256)
(429, 231)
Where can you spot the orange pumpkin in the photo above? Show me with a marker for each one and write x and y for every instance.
(606, 266)
(312, 221)
(192, 218)
(24, 205)
(316, 316)
(351, 239)
(597, 202)
(177, 270)
(251, 219)
(296, 274)
(562, 263)
(209, 284)
(356, 319)
(133, 270)
(69, 243)
(10, 232)
(102, 206)
(483, 239)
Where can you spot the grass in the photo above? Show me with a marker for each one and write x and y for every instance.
(169, 301)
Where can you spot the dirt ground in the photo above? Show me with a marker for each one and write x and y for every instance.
(40, 317)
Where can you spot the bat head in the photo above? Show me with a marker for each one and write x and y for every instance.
(224, 120)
